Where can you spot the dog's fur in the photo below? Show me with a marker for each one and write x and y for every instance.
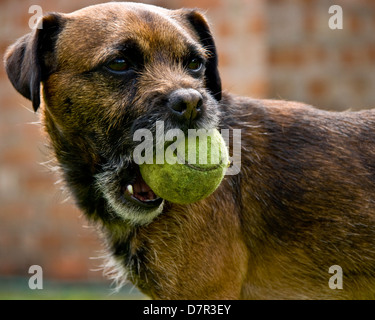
(303, 201)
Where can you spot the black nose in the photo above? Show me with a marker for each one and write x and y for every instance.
(185, 103)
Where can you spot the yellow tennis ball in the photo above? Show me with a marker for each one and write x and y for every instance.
(192, 170)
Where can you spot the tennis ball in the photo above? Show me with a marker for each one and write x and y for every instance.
(192, 170)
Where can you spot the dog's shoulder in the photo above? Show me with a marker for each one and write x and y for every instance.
(274, 114)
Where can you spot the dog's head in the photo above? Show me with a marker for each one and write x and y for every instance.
(106, 71)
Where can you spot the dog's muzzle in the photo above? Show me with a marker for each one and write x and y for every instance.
(127, 194)
(138, 192)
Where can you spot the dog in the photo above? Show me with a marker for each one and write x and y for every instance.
(303, 201)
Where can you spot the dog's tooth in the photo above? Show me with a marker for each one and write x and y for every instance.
(130, 189)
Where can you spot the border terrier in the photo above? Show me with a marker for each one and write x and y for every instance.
(303, 201)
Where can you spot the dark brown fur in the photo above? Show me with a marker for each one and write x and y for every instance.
(303, 201)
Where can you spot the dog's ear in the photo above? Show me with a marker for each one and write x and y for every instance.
(30, 59)
(200, 26)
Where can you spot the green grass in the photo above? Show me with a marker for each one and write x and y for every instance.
(14, 288)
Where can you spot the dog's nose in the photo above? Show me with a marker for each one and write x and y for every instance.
(186, 103)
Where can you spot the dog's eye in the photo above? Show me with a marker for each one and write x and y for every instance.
(195, 64)
(118, 65)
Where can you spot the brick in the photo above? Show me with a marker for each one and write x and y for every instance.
(320, 54)
(38, 183)
(9, 182)
(371, 53)
(68, 265)
(348, 57)
(15, 214)
(50, 241)
(207, 4)
(309, 24)
(16, 156)
(11, 100)
(354, 24)
(360, 85)
(256, 25)
(318, 87)
(225, 60)
(286, 56)
(65, 213)
(354, 55)
(259, 88)
(224, 29)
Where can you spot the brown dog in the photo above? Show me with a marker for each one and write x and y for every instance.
(305, 197)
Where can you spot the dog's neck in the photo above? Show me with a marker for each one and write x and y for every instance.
(157, 255)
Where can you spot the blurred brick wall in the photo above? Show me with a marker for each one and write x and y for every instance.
(307, 61)
(267, 48)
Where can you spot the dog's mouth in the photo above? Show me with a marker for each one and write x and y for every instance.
(139, 192)
(128, 195)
